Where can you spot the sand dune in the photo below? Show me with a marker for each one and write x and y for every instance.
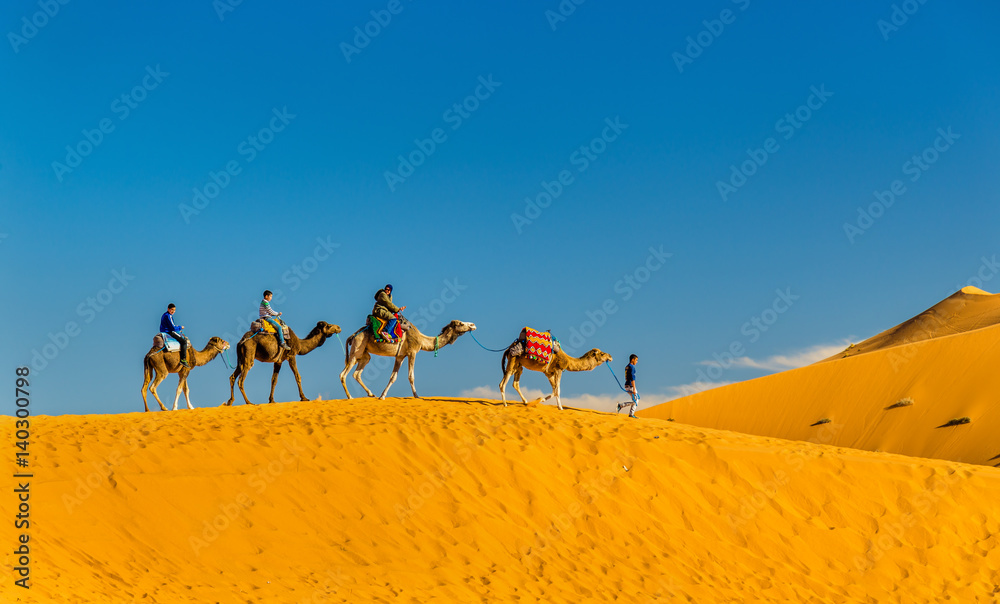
(895, 392)
(966, 310)
(464, 500)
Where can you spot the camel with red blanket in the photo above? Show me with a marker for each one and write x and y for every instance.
(538, 351)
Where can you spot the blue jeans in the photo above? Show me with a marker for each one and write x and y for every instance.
(184, 343)
(281, 336)
(635, 401)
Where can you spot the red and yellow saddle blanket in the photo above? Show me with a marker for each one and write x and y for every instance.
(538, 345)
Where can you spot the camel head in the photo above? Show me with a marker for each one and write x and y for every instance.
(324, 329)
(218, 343)
(599, 356)
(459, 327)
(329, 329)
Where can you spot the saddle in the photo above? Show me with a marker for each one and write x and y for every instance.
(166, 342)
(375, 325)
(537, 345)
(260, 325)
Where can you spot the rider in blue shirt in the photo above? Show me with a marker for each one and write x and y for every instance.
(168, 327)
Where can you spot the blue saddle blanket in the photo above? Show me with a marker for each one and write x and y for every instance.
(170, 344)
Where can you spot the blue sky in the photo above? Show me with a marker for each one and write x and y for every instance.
(718, 164)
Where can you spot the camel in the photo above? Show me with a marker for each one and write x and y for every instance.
(263, 347)
(361, 345)
(558, 362)
(162, 363)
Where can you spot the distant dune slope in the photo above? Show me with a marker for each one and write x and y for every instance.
(463, 500)
(966, 310)
(889, 393)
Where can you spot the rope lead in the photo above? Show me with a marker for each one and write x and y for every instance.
(636, 396)
(483, 347)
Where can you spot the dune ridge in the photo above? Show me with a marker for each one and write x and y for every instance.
(968, 309)
(907, 390)
(465, 500)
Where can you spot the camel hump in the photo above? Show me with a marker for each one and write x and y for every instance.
(260, 325)
(163, 340)
(537, 345)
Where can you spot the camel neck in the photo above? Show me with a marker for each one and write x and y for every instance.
(205, 355)
(311, 342)
(428, 343)
(568, 363)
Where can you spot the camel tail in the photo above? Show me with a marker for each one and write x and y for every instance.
(147, 372)
(347, 347)
(503, 362)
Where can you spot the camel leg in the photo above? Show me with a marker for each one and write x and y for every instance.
(392, 378)
(232, 384)
(554, 380)
(298, 379)
(503, 382)
(152, 388)
(180, 388)
(349, 362)
(146, 378)
(409, 363)
(362, 363)
(517, 382)
(187, 394)
(274, 379)
(548, 396)
(243, 377)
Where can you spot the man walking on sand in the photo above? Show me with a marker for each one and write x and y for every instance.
(630, 386)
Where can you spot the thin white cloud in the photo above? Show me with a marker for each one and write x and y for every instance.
(784, 362)
(692, 388)
(484, 392)
(597, 402)
(607, 402)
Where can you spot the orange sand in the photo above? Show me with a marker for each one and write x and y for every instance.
(463, 500)
(946, 360)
